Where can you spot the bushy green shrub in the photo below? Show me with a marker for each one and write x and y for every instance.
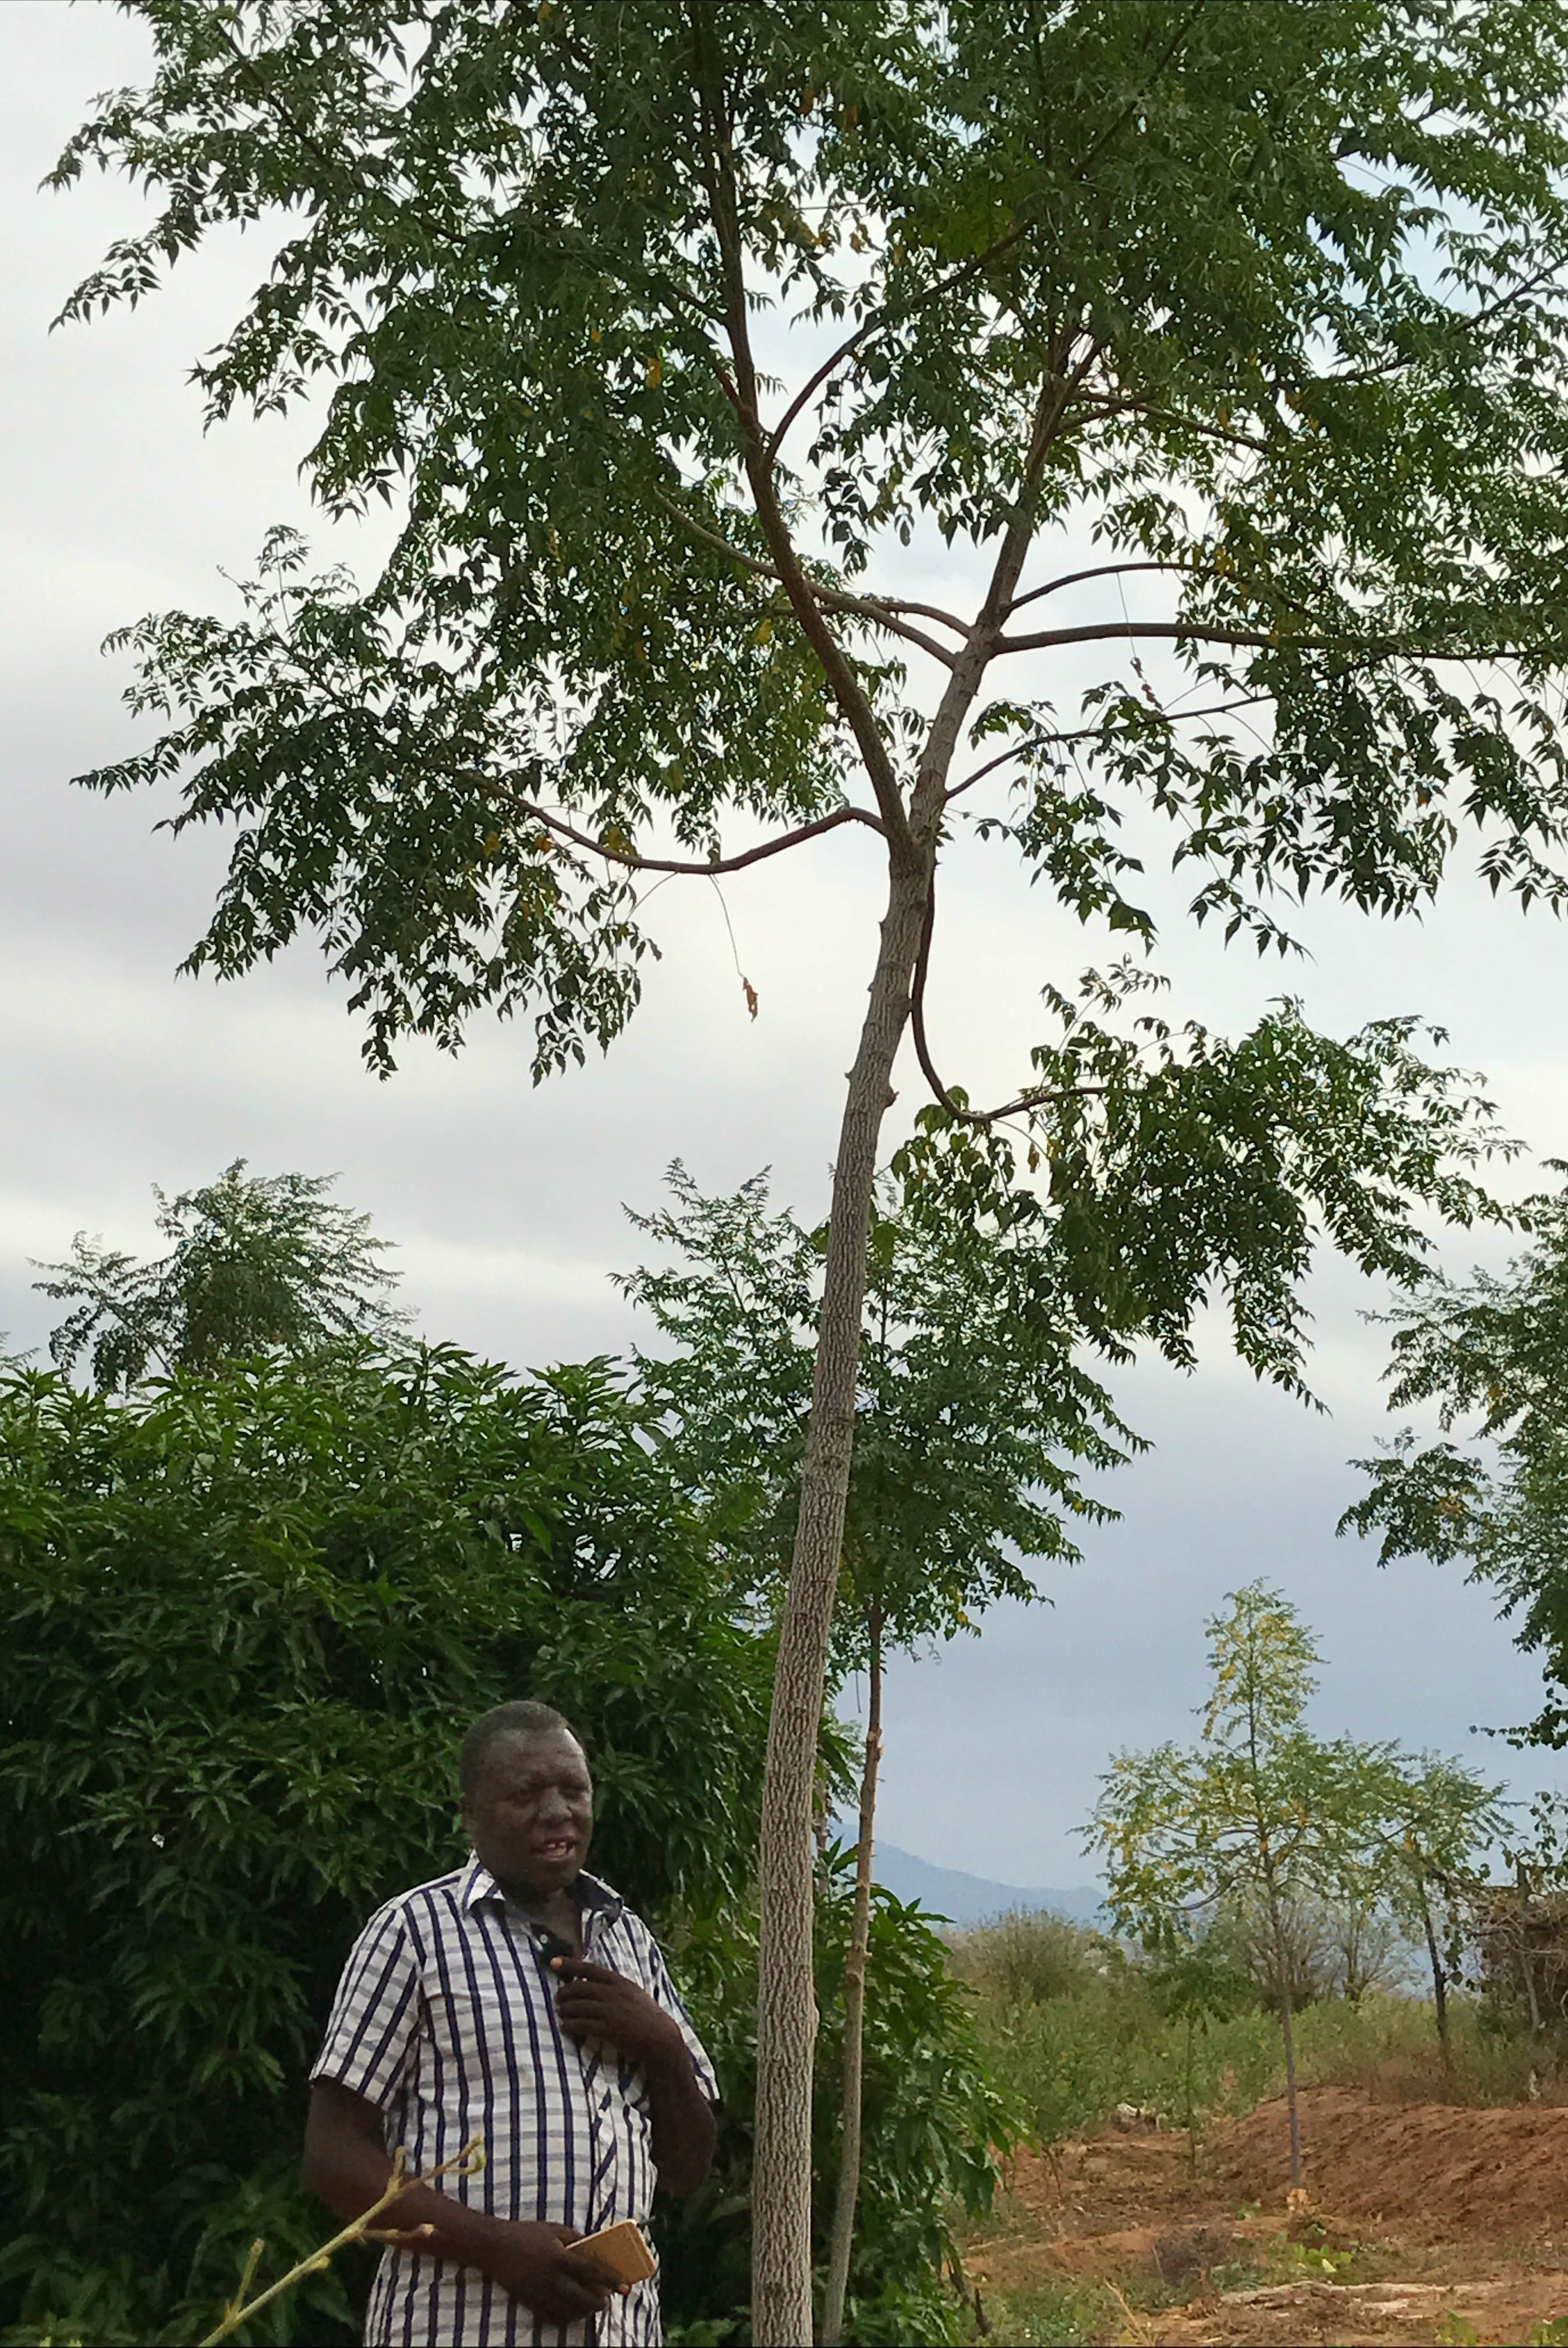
(1029, 1955)
(247, 1617)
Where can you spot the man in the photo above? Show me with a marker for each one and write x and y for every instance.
(519, 2001)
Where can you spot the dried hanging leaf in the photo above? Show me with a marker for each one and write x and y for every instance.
(750, 994)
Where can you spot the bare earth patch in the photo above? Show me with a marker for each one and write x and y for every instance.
(1423, 2223)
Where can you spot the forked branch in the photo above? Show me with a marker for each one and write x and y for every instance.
(362, 2229)
(883, 611)
(956, 1108)
(709, 870)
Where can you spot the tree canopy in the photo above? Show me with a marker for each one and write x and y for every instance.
(260, 1263)
(1263, 304)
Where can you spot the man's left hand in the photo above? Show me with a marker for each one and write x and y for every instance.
(592, 2002)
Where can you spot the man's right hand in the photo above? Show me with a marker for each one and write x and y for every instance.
(532, 2261)
(346, 2164)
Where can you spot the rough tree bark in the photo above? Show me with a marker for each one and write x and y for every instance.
(1282, 1985)
(786, 2003)
(842, 2239)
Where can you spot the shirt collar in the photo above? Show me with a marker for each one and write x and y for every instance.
(477, 1886)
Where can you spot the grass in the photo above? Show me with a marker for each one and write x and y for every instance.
(1076, 2028)
(1055, 2315)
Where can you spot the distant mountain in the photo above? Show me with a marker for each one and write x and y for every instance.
(970, 1899)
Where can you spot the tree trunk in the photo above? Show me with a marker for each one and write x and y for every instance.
(843, 2237)
(1526, 1955)
(1439, 1979)
(786, 2003)
(1282, 1985)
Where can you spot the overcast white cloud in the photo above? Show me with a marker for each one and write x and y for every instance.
(506, 1202)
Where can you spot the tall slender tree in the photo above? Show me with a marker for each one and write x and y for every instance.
(1260, 1810)
(1231, 336)
(975, 1425)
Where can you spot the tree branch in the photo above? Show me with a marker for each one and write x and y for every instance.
(883, 611)
(1093, 734)
(1200, 633)
(927, 798)
(993, 252)
(839, 671)
(1101, 570)
(965, 1115)
(885, 320)
(691, 866)
(1205, 430)
(1171, 631)
(1375, 368)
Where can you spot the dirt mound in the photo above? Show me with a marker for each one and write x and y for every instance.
(1437, 2169)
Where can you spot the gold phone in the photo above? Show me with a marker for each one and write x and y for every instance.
(619, 2251)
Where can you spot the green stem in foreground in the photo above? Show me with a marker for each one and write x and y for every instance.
(467, 2163)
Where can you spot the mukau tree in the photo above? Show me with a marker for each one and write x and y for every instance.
(1260, 1811)
(975, 1423)
(259, 1263)
(665, 331)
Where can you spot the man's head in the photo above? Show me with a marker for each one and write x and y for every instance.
(528, 1797)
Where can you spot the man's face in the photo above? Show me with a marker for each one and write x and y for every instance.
(529, 1813)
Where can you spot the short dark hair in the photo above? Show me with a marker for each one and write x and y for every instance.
(524, 1718)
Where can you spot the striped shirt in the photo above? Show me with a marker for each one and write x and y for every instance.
(445, 2019)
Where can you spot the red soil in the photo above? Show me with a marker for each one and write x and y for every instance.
(1431, 2170)
(1462, 2213)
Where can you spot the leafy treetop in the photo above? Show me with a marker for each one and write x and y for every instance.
(667, 333)
(260, 1263)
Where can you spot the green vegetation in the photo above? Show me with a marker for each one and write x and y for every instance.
(934, 2118)
(246, 1615)
(975, 1426)
(1489, 1352)
(1262, 1816)
(1077, 2026)
(258, 1264)
(1260, 304)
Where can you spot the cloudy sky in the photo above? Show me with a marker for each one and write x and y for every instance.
(507, 1202)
